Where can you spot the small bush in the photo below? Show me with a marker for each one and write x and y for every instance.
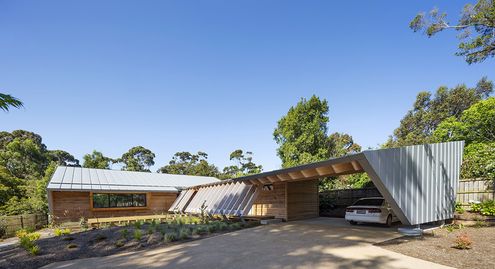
(150, 230)
(462, 242)
(170, 237)
(120, 243)
(138, 224)
(138, 234)
(458, 208)
(60, 232)
(83, 223)
(124, 233)
(486, 208)
(184, 234)
(71, 246)
(235, 226)
(35, 250)
(200, 230)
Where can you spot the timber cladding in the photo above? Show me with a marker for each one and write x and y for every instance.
(302, 200)
(271, 202)
(72, 205)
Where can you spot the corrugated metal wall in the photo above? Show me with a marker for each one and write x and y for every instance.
(419, 182)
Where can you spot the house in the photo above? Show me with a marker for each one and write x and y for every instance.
(75, 192)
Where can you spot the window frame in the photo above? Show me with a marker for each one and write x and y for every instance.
(147, 196)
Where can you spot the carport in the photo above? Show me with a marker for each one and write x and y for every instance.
(419, 182)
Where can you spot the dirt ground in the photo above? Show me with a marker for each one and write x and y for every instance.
(437, 247)
(91, 243)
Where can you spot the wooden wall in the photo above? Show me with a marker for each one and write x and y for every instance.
(302, 199)
(71, 206)
(271, 202)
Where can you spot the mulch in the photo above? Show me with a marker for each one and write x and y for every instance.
(437, 247)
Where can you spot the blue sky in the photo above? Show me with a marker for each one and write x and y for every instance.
(216, 75)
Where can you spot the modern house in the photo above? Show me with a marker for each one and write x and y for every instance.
(419, 182)
(75, 192)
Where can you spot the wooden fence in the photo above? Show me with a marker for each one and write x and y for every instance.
(10, 224)
(477, 189)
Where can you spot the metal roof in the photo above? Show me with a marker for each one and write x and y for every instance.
(90, 179)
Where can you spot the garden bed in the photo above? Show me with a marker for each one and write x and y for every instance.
(438, 247)
(111, 240)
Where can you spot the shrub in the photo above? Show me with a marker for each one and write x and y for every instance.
(235, 226)
(138, 224)
(150, 230)
(138, 234)
(35, 250)
(120, 243)
(184, 234)
(170, 237)
(200, 230)
(60, 232)
(124, 233)
(458, 208)
(71, 246)
(462, 242)
(486, 208)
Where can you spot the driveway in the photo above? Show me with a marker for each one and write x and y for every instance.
(315, 243)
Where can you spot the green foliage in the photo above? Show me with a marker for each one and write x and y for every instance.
(458, 208)
(3, 227)
(137, 159)
(244, 165)
(204, 218)
(138, 224)
(419, 124)
(27, 241)
(60, 232)
(486, 208)
(124, 233)
(185, 163)
(96, 160)
(184, 234)
(150, 230)
(34, 250)
(235, 226)
(452, 227)
(7, 101)
(479, 161)
(62, 157)
(138, 234)
(476, 23)
(83, 223)
(170, 237)
(200, 230)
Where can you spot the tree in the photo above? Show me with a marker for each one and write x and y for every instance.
(137, 159)
(302, 133)
(244, 165)
(476, 124)
(185, 163)
(96, 160)
(341, 144)
(7, 101)
(429, 111)
(63, 158)
(24, 158)
(477, 23)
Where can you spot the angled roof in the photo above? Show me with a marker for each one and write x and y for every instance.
(90, 179)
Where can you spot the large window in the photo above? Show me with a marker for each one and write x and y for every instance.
(116, 200)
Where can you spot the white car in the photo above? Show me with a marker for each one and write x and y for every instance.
(370, 210)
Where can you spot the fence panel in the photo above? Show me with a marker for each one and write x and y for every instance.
(477, 189)
(10, 224)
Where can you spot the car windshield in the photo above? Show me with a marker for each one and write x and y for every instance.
(374, 202)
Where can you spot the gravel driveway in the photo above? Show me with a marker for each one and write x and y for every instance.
(315, 243)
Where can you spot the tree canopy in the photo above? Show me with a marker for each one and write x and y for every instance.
(477, 26)
(138, 158)
(96, 160)
(429, 111)
(186, 163)
(244, 165)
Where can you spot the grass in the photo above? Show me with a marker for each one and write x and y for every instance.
(138, 234)
(170, 237)
(120, 243)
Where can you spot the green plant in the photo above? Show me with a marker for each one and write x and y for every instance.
(452, 227)
(150, 230)
(462, 242)
(120, 243)
(138, 234)
(486, 208)
(71, 246)
(34, 250)
(60, 232)
(200, 230)
(184, 234)
(124, 233)
(204, 218)
(170, 237)
(138, 224)
(480, 224)
(235, 226)
(459, 208)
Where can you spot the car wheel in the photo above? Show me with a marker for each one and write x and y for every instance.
(389, 220)
(352, 222)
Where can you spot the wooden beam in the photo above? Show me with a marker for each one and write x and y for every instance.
(264, 180)
(284, 177)
(342, 167)
(296, 175)
(309, 173)
(325, 171)
(357, 166)
(273, 179)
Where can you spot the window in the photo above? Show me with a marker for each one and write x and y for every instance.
(116, 200)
